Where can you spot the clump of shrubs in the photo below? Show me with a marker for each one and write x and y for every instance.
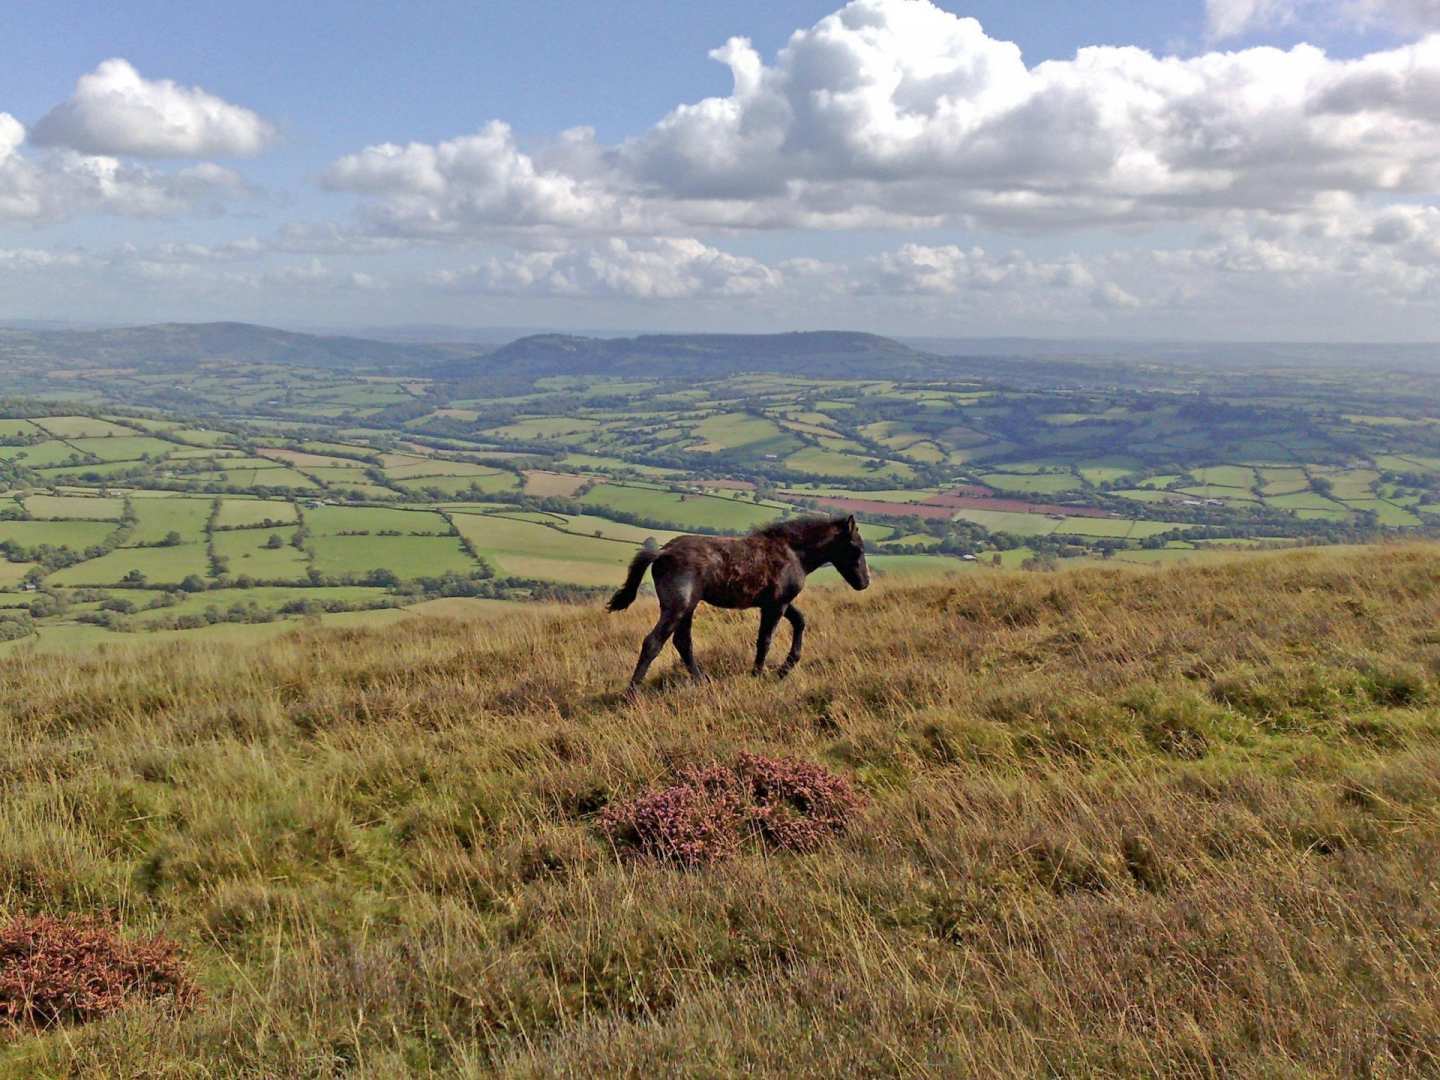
(711, 811)
(69, 971)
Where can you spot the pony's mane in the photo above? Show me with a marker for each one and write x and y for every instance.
(801, 530)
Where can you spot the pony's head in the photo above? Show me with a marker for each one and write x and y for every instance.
(847, 554)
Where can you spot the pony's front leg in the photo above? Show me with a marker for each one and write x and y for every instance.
(797, 639)
(769, 618)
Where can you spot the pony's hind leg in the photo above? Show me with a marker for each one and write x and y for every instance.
(685, 647)
(675, 592)
(651, 646)
(797, 639)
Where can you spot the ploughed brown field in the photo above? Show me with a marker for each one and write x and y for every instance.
(1105, 822)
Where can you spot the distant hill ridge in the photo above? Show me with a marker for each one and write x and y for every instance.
(833, 353)
(178, 345)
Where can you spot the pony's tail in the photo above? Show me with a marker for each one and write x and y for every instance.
(625, 596)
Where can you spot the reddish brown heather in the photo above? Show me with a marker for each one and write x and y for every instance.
(61, 971)
(708, 814)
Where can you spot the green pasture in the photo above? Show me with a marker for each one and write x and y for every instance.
(236, 513)
(1387, 513)
(74, 506)
(686, 511)
(40, 455)
(124, 448)
(161, 566)
(75, 535)
(80, 427)
(246, 553)
(1036, 484)
(531, 549)
(405, 556)
(488, 483)
(1231, 476)
(333, 520)
(157, 518)
(828, 462)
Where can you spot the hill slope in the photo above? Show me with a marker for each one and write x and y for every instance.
(822, 354)
(1125, 822)
(183, 345)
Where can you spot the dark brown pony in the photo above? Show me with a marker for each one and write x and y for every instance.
(766, 569)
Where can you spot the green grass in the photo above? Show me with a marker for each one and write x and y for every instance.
(543, 428)
(246, 553)
(1387, 513)
(157, 518)
(1038, 484)
(1231, 476)
(1005, 521)
(74, 506)
(330, 520)
(406, 556)
(1159, 482)
(531, 549)
(39, 455)
(128, 448)
(735, 431)
(79, 427)
(1354, 484)
(489, 483)
(830, 462)
(1108, 469)
(161, 566)
(248, 479)
(266, 597)
(685, 511)
(1145, 495)
(440, 467)
(1305, 500)
(1279, 481)
(245, 512)
(201, 436)
(76, 535)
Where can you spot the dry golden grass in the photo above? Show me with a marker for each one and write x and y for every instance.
(1117, 822)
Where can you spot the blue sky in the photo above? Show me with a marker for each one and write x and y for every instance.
(1228, 168)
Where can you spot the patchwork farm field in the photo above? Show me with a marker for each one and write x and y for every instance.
(128, 519)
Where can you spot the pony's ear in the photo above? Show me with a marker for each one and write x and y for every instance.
(852, 526)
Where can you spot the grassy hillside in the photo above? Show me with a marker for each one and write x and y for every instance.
(1117, 821)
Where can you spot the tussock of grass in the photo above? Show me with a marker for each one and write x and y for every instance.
(1129, 822)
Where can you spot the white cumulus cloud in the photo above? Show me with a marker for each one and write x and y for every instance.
(61, 184)
(665, 268)
(898, 113)
(1231, 18)
(116, 111)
